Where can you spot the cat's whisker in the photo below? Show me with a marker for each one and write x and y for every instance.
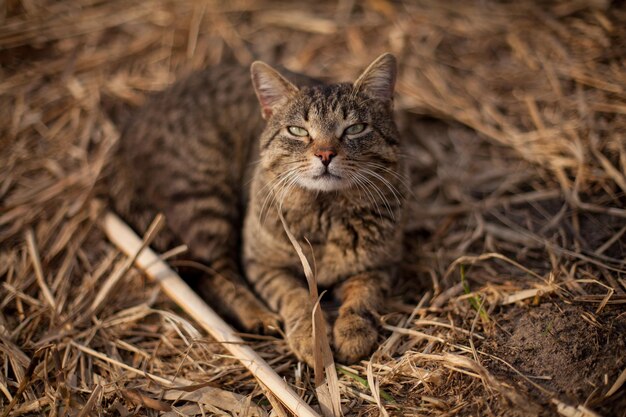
(361, 167)
(380, 194)
(366, 184)
(377, 166)
(278, 185)
(270, 184)
(354, 185)
(253, 164)
(372, 198)
(273, 185)
(397, 194)
(369, 196)
(386, 183)
(403, 180)
(285, 164)
(287, 189)
(278, 190)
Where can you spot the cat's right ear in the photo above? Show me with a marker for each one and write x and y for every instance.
(272, 89)
(379, 79)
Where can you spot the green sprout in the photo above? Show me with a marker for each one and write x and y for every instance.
(475, 300)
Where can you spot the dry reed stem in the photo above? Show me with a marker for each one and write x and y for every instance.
(539, 180)
(326, 382)
(179, 291)
(154, 228)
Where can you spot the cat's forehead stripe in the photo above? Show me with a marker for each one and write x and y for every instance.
(324, 100)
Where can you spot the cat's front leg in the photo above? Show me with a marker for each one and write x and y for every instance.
(355, 331)
(285, 293)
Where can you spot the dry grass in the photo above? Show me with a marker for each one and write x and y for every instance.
(518, 216)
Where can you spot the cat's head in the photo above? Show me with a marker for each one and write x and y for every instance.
(329, 137)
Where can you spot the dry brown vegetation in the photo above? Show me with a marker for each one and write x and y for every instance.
(514, 289)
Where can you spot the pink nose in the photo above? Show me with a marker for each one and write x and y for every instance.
(326, 155)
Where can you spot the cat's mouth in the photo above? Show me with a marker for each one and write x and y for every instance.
(327, 176)
(326, 181)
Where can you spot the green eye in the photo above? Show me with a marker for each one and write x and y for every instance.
(355, 129)
(297, 131)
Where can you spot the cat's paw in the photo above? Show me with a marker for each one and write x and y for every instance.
(300, 339)
(258, 319)
(355, 336)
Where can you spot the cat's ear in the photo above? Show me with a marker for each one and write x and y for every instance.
(379, 79)
(272, 89)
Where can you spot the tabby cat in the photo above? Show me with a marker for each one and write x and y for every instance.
(327, 156)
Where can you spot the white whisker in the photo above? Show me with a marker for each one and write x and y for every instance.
(273, 186)
(368, 186)
(380, 194)
(390, 187)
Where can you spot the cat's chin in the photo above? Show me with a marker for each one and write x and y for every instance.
(324, 182)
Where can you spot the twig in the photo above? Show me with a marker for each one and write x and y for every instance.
(153, 229)
(34, 254)
(24, 384)
(175, 288)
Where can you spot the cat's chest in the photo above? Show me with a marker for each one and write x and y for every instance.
(311, 225)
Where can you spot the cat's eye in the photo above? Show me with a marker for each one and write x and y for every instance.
(298, 131)
(355, 129)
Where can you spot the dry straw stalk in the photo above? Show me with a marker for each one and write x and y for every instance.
(326, 381)
(175, 288)
(538, 179)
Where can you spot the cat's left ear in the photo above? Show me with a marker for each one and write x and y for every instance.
(379, 79)
(272, 89)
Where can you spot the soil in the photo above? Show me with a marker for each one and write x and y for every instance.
(562, 350)
(564, 347)
(534, 183)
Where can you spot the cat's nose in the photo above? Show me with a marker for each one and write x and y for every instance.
(326, 155)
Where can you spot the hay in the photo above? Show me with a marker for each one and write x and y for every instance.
(191, 303)
(518, 199)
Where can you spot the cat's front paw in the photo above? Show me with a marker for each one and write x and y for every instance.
(258, 319)
(300, 339)
(355, 336)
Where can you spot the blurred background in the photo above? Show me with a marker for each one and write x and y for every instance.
(513, 115)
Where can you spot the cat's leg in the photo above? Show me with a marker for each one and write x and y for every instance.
(286, 294)
(355, 330)
(226, 291)
(209, 227)
(214, 268)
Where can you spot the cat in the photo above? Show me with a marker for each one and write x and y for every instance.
(327, 156)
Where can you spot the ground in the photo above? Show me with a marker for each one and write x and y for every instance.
(512, 291)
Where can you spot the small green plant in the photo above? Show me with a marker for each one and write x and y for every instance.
(475, 300)
(364, 382)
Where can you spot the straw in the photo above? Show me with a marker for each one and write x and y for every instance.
(175, 288)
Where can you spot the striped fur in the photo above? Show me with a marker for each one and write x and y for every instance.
(201, 153)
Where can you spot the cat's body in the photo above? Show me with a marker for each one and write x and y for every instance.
(327, 157)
